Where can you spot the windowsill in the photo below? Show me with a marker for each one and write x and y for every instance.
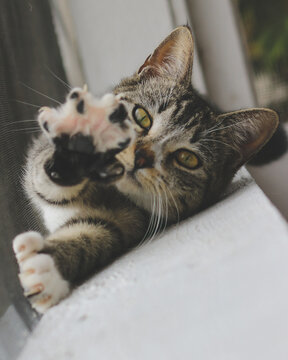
(204, 289)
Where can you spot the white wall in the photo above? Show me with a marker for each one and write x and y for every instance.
(222, 55)
(112, 39)
(115, 37)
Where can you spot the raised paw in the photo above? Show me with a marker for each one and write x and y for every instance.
(39, 277)
(86, 124)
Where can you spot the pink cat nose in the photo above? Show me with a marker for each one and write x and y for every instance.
(144, 158)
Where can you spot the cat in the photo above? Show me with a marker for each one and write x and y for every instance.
(107, 173)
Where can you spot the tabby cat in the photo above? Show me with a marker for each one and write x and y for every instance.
(106, 174)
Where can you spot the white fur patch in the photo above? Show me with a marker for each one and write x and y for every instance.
(55, 216)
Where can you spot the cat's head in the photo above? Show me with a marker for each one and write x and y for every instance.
(186, 152)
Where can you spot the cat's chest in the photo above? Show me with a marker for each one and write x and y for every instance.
(54, 216)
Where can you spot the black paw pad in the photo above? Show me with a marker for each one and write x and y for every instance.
(80, 107)
(79, 143)
(123, 144)
(45, 126)
(61, 142)
(119, 115)
(64, 169)
(74, 95)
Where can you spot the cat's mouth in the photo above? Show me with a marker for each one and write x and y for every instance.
(138, 177)
(130, 168)
(132, 175)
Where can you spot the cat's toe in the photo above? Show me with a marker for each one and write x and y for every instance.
(42, 283)
(47, 118)
(26, 244)
(119, 115)
(108, 172)
(116, 133)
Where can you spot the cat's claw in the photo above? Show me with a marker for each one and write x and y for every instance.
(103, 122)
(39, 277)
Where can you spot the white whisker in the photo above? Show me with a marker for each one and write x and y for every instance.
(220, 142)
(147, 233)
(175, 204)
(165, 205)
(206, 147)
(18, 122)
(157, 217)
(40, 93)
(26, 103)
(24, 130)
(156, 214)
(58, 78)
(213, 129)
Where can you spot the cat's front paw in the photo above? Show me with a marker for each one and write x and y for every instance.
(88, 125)
(39, 277)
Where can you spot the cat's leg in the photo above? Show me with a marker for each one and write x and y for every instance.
(50, 268)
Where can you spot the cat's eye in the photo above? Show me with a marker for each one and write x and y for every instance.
(142, 118)
(187, 159)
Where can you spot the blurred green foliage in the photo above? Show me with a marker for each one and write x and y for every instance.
(266, 27)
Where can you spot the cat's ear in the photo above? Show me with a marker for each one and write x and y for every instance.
(173, 58)
(249, 130)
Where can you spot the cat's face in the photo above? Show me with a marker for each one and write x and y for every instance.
(168, 164)
(185, 153)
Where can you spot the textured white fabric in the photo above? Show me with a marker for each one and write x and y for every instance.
(214, 287)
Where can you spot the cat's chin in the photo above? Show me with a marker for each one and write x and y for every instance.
(130, 186)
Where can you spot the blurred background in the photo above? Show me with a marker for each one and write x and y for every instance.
(263, 27)
(241, 61)
(265, 33)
